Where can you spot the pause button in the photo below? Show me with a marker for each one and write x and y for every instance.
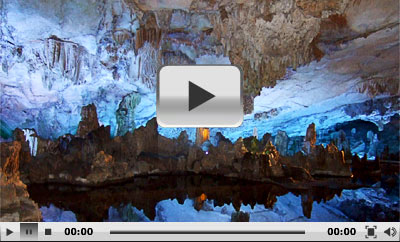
(28, 231)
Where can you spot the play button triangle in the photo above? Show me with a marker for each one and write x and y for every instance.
(198, 96)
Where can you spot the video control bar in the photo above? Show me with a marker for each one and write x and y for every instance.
(102, 231)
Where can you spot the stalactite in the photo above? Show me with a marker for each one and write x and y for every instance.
(149, 63)
(62, 57)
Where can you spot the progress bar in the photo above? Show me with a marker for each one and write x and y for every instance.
(207, 232)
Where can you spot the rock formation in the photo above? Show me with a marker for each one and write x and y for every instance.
(202, 135)
(15, 206)
(282, 142)
(97, 158)
(366, 169)
(312, 53)
(240, 217)
(125, 113)
(310, 139)
(320, 160)
(89, 121)
(342, 143)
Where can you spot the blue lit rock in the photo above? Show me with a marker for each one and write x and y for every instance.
(126, 213)
(54, 214)
(287, 208)
(125, 114)
(5, 130)
(282, 142)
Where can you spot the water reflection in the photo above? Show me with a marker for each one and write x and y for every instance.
(94, 204)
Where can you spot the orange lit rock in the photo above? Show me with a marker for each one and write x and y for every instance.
(199, 201)
(10, 159)
(15, 204)
(202, 135)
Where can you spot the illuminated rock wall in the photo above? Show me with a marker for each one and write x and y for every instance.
(322, 62)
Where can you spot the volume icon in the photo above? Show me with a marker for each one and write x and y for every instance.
(391, 231)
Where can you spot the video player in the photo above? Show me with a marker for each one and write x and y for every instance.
(199, 120)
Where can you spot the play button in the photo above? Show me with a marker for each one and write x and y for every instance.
(8, 232)
(199, 96)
